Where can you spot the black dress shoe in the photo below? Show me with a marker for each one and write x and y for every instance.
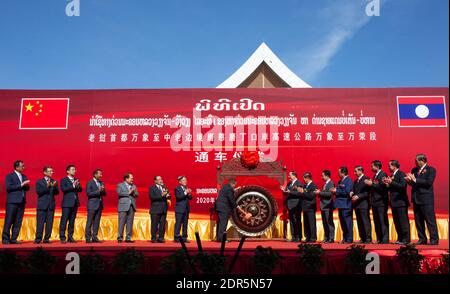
(46, 241)
(421, 242)
(15, 242)
(154, 241)
(36, 242)
(129, 241)
(434, 242)
(324, 241)
(88, 241)
(63, 241)
(186, 241)
(119, 241)
(330, 241)
(71, 241)
(161, 241)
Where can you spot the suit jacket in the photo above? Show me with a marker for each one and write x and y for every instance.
(95, 196)
(422, 192)
(343, 189)
(182, 204)
(361, 190)
(308, 197)
(46, 195)
(158, 202)
(293, 199)
(15, 192)
(326, 197)
(398, 190)
(125, 199)
(379, 195)
(70, 194)
(226, 202)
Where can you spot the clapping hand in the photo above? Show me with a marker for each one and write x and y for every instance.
(25, 183)
(317, 191)
(368, 182)
(300, 189)
(410, 177)
(333, 190)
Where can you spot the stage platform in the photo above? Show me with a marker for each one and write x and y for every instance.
(334, 254)
(200, 223)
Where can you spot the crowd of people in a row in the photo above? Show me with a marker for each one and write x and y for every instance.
(361, 195)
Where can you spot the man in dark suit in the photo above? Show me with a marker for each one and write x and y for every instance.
(360, 201)
(17, 185)
(183, 195)
(294, 206)
(327, 206)
(421, 179)
(127, 192)
(70, 186)
(399, 202)
(344, 204)
(309, 207)
(379, 200)
(95, 191)
(224, 206)
(159, 195)
(46, 190)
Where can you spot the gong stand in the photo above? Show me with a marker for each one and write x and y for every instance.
(233, 168)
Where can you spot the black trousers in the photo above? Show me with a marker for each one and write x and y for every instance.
(181, 220)
(222, 224)
(381, 222)
(69, 214)
(346, 221)
(93, 223)
(424, 214)
(364, 225)
(328, 224)
(295, 221)
(44, 219)
(309, 222)
(13, 220)
(401, 223)
(158, 225)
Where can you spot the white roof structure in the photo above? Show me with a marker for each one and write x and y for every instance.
(264, 55)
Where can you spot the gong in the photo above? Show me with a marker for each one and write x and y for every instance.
(262, 206)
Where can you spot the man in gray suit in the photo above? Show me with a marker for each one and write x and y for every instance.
(128, 193)
(327, 206)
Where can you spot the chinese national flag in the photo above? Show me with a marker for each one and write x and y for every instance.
(44, 113)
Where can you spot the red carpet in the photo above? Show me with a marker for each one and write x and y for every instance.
(154, 252)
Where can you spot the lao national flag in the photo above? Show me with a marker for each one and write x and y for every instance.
(44, 113)
(421, 111)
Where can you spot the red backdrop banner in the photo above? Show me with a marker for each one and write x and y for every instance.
(172, 132)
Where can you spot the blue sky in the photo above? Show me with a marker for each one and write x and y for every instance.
(199, 43)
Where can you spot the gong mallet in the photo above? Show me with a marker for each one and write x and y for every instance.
(222, 244)
(199, 242)
(188, 257)
(236, 255)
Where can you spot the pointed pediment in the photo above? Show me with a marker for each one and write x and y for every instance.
(264, 70)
